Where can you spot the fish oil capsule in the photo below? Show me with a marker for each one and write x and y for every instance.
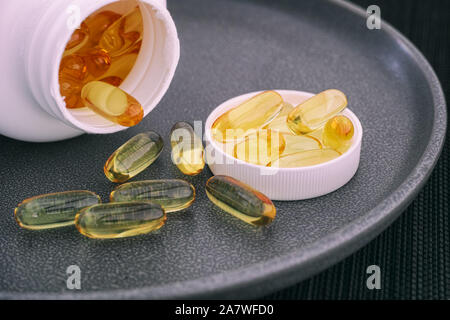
(240, 200)
(123, 33)
(251, 115)
(317, 134)
(115, 81)
(187, 149)
(305, 158)
(338, 133)
(97, 61)
(120, 220)
(172, 195)
(112, 103)
(79, 38)
(98, 24)
(134, 156)
(53, 210)
(316, 111)
(279, 123)
(74, 101)
(296, 143)
(260, 147)
(73, 67)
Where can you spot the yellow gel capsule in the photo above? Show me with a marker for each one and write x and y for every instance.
(112, 103)
(296, 143)
(338, 133)
(316, 134)
(79, 36)
(260, 147)
(187, 149)
(240, 200)
(316, 111)
(53, 210)
(251, 115)
(123, 34)
(172, 195)
(305, 158)
(120, 220)
(134, 157)
(98, 24)
(279, 123)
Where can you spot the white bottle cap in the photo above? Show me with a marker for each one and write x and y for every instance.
(284, 183)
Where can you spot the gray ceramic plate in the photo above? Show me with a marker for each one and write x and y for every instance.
(229, 48)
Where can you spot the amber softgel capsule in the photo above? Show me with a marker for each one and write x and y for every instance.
(305, 158)
(53, 210)
(112, 103)
(240, 200)
(120, 220)
(338, 133)
(260, 147)
(173, 195)
(251, 115)
(316, 111)
(134, 157)
(187, 149)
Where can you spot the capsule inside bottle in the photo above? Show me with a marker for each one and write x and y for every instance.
(120, 220)
(134, 157)
(251, 115)
(112, 103)
(53, 210)
(187, 149)
(316, 111)
(173, 195)
(240, 200)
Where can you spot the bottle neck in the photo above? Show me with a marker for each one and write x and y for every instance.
(159, 57)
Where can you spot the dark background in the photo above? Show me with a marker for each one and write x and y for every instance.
(414, 253)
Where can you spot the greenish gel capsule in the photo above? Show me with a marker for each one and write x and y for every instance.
(134, 157)
(172, 195)
(240, 200)
(120, 220)
(53, 210)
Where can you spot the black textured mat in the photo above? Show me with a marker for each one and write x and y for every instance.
(414, 253)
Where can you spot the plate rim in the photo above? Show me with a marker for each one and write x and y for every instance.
(268, 276)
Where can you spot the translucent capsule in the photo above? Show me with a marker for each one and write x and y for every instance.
(172, 195)
(73, 67)
(240, 200)
(187, 149)
(74, 101)
(316, 134)
(260, 147)
(120, 220)
(123, 34)
(112, 103)
(78, 40)
(296, 143)
(98, 24)
(53, 210)
(97, 61)
(251, 115)
(305, 158)
(338, 133)
(115, 81)
(316, 111)
(121, 66)
(134, 156)
(279, 123)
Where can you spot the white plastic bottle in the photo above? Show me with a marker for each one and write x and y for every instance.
(34, 35)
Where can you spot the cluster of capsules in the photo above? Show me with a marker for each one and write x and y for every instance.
(141, 207)
(268, 131)
(98, 57)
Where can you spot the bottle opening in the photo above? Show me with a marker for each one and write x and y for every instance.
(142, 63)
